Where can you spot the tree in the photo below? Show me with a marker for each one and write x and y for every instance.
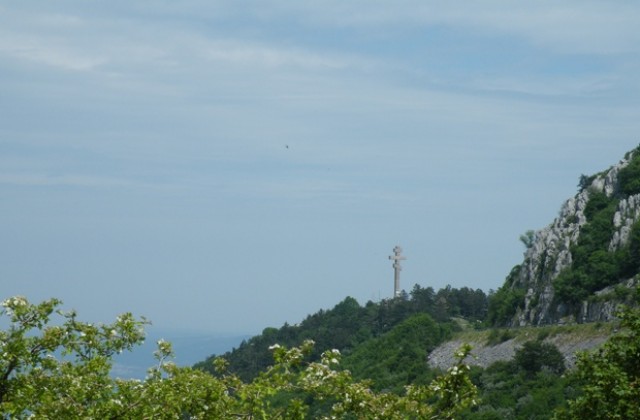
(503, 304)
(528, 238)
(398, 357)
(585, 181)
(629, 176)
(63, 366)
(534, 356)
(63, 371)
(610, 376)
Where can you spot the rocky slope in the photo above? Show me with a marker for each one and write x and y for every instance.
(568, 339)
(552, 252)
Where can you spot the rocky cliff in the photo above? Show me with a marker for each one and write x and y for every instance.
(581, 266)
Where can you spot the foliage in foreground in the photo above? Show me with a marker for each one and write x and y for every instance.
(610, 377)
(62, 370)
(531, 386)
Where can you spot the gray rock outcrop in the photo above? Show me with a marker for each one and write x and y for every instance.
(550, 253)
(484, 355)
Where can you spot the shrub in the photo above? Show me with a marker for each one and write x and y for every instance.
(534, 356)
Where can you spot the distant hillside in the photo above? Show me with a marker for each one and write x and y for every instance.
(585, 263)
(189, 347)
(378, 334)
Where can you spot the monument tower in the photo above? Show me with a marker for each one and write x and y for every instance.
(396, 257)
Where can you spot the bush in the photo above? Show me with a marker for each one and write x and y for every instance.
(497, 336)
(629, 176)
(534, 356)
(504, 304)
(610, 376)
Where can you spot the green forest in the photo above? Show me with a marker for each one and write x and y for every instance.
(388, 343)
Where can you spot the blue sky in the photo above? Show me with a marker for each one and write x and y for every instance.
(224, 166)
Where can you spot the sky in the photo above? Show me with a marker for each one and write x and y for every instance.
(226, 166)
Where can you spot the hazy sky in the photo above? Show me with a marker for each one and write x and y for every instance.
(232, 165)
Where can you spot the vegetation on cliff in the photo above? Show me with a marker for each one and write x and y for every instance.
(594, 264)
(592, 245)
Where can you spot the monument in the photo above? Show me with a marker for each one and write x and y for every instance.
(396, 269)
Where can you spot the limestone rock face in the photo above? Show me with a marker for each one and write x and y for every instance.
(627, 213)
(550, 253)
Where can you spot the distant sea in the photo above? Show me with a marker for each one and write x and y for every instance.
(189, 348)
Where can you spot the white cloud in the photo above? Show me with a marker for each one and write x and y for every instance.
(49, 39)
(46, 51)
(251, 54)
(569, 27)
(574, 86)
(38, 180)
(59, 20)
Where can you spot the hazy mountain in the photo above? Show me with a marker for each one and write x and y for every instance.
(189, 347)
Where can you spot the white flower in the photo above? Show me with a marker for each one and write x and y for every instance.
(275, 346)
(19, 301)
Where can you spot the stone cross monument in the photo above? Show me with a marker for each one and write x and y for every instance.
(396, 268)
